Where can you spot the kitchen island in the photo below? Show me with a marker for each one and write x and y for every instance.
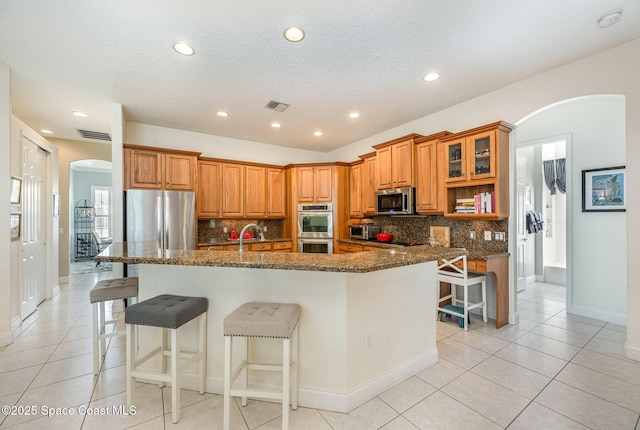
(368, 319)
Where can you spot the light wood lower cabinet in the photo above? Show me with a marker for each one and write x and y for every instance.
(347, 248)
(284, 246)
(261, 246)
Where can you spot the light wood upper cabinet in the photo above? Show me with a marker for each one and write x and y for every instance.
(427, 177)
(159, 169)
(476, 163)
(255, 193)
(368, 184)
(233, 186)
(229, 189)
(276, 193)
(209, 189)
(431, 195)
(355, 191)
(179, 172)
(145, 169)
(471, 158)
(395, 163)
(314, 184)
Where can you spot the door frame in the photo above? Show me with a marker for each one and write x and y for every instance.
(569, 204)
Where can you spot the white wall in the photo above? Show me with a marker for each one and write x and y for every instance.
(598, 246)
(5, 207)
(218, 146)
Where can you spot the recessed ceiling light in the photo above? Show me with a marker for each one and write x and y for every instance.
(294, 34)
(431, 76)
(609, 18)
(275, 125)
(222, 114)
(317, 133)
(80, 114)
(354, 115)
(183, 48)
(45, 131)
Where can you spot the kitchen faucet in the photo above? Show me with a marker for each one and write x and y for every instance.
(245, 228)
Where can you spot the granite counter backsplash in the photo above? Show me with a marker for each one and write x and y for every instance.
(208, 230)
(416, 228)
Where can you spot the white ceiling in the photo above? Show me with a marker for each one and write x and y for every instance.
(357, 55)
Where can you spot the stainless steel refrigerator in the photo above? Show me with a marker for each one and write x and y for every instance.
(166, 217)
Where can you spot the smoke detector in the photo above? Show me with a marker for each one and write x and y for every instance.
(609, 18)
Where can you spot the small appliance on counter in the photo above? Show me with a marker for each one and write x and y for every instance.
(363, 231)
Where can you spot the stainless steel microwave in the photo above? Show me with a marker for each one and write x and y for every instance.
(397, 201)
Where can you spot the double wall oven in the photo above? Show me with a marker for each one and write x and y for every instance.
(315, 228)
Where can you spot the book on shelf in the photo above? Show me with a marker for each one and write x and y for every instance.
(478, 204)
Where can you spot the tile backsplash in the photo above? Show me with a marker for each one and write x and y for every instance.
(404, 228)
(416, 228)
(215, 230)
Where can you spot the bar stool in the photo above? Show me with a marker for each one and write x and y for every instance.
(269, 320)
(168, 312)
(102, 292)
(450, 272)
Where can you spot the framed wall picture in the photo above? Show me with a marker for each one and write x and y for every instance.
(15, 226)
(16, 190)
(604, 190)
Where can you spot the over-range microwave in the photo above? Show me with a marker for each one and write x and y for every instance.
(397, 201)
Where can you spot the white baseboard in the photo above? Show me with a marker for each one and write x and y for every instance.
(55, 291)
(334, 401)
(514, 318)
(63, 280)
(6, 338)
(531, 279)
(16, 322)
(611, 317)
(632, 351)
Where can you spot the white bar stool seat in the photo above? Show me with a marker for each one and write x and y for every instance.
(450, 271)
(269, 320)
(168, 312)
(102, 292)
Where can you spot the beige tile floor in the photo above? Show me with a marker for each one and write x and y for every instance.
(552, 371)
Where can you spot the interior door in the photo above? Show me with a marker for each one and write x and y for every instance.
(33, 227)
(521, 231)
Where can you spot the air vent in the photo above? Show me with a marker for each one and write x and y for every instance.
(96, 135)
(276, 106)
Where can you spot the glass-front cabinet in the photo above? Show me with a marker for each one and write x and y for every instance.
(482, 161)
(471, 158)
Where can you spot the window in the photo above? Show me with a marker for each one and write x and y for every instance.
(103, 204)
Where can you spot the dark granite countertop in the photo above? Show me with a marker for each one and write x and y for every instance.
(476, 254)
(360, 262)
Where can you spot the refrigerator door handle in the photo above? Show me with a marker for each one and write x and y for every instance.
(160, 220)
(166, 215)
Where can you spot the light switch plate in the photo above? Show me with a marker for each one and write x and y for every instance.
(487, 235)
(472, 235)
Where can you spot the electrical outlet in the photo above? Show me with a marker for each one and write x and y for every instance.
(499, 235)
(472, 235)
(224, 230)
(487, 235)
(367, 341)
(264, 228)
